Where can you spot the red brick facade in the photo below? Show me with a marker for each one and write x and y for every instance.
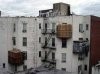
(94, 41)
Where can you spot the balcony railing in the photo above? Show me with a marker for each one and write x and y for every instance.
(48, 31)
(15, 57)
(64, 30)
(51, 46)
(80, 47)
(53, 61)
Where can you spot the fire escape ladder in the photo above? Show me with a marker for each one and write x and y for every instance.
(48, 53)
(46, 43)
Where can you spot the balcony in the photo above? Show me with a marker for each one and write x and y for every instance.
(48, 31)
(80, 47)
(64, 30)
(15, 57)
(51, 46)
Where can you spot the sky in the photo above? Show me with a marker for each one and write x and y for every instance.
(32, 7)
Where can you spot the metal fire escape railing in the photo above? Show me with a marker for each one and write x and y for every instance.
(44, 45)
(48, 31)
(51, 32)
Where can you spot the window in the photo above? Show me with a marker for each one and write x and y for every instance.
(24, 27)
(39, 39)
(79, 69)
(81, 28)
(35, 19)
(81, 39)
(53, 26)
(53, 55)
(14, 40)
(87, 27)
(14, 27)
(63, 57)
(53, 41)
(3, 65)
(64, 69)
(85, 67)
(45, 40)
(24, 41)
(45, 54)
(64, 43)
(24, 55)
(39, 25)
(39, 53)
(87, 39)
(24, 67)
(45, 25)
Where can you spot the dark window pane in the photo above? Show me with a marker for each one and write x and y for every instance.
(45, 25)
(64, 43)
(24, 28)
(14, 40)
(81, 28)
(64, 69)
(85, 67)
(53, 41)
(24, 41)
(14, 27)
(87, 26)
(45, 54)
(63, 57)
(24, 67)
(39, 39)
(3, 65)
(24, 55)
(53, 55)
(39, 53)
(80, 38)
(39, 25)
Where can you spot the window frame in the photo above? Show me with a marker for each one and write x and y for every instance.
(85, 67)
(53, 55)
(14, 27)
(63, 57)
(4, 65)
(24, 42)
(14, 40)
(63, 69)
(39, 53)
(39, 25)
(53, 41)
(87, 26)
(81, 29)
(39, 39)
(64, 43)
(24, 30)
(24, 55)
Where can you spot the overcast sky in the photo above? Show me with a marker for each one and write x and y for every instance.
(31, 7)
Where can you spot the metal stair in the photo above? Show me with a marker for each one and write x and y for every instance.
(46, 43)
(46, 60)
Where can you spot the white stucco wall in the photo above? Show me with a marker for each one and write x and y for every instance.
(32, 34)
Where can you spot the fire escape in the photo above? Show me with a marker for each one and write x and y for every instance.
(63, 31)
(50, 46)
